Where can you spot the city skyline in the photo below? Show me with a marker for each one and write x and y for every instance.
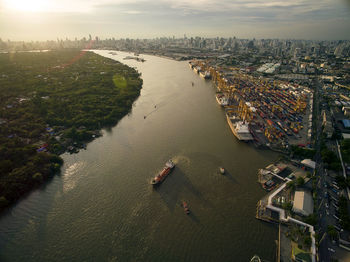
(43, 20)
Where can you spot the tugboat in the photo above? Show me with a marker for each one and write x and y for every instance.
(164, 173)
(186, 209)
(222, 170)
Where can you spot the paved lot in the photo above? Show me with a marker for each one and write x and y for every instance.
(286, 249)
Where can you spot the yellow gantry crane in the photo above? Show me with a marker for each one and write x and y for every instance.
(244, 111)
(300, 105)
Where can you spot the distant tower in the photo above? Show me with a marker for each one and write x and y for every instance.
(297, 52)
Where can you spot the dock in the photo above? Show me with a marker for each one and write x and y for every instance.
(279, 113)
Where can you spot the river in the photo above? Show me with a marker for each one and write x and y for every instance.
(102, 207)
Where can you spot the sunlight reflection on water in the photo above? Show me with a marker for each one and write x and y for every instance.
(70, 177)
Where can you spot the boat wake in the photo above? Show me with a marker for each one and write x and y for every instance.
(181, 159)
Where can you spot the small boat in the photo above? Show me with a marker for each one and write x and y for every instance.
(255, 259)
(185, 206)
(222, 170)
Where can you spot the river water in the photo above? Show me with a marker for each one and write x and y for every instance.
(102, 207)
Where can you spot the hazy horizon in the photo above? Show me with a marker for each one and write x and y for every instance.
(33, 20)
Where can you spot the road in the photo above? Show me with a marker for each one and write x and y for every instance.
(323, 252)
(326, 197)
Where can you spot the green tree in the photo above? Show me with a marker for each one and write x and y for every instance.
(291, 185)
(3, 202)
(332, 232)
(5, 166)
(300, 181)
(38, 177)
(307, 241)
(287, 206)
(311, 219)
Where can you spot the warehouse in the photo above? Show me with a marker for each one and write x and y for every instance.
(303, 203)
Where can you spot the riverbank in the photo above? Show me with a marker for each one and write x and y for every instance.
(289, 184)
(53, 102)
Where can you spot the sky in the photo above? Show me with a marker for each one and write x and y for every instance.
(29, 20)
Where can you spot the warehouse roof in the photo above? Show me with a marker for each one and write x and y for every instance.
(309, 163)
(303, 203)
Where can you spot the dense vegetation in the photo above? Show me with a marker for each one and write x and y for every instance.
(331, 159)
(344, 213)
(345, 148)
(51, 101)
(302, 153)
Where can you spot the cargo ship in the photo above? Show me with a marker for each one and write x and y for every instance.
(135, 58)
(239, 128)
(164, 173)
(221, 99)
(197, 69)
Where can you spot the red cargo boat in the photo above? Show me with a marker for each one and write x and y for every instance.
(164, 173)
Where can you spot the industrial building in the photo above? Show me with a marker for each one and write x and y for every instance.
(303, 203)
(308, 163)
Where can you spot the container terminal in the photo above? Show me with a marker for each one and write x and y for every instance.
(276, 113)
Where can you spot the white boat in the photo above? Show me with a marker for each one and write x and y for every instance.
(222, 100)
(239, 128)
(255, 259)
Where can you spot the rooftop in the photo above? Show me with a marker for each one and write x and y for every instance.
(303, 203)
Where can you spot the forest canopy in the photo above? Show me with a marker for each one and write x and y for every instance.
(51, 101)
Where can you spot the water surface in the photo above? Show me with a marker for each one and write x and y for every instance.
(102, 207)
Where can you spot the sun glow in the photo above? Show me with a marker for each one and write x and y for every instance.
(27, 5)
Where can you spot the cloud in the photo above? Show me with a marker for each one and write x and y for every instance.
(133, 12)
(145, 18)
(196, 7)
